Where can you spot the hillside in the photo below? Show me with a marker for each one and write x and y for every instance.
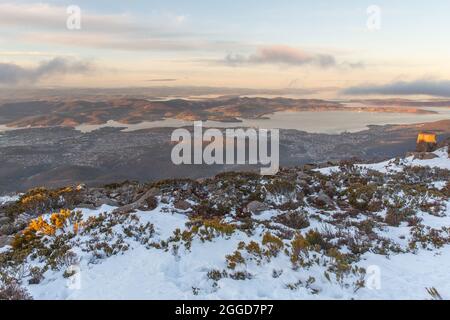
(353, 231)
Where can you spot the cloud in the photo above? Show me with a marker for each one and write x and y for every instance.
(282, 55)
(127, 43)
(45, 16)
(285, 55)
(11, 74)
(103, 31)
(162, 80)
(439, 88)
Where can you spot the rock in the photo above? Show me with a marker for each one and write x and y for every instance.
(257, 207)
(165, 199)
(422, 155)
(143, 202)
(7, 229)
(86, 206)
(182, 205)
(150, 204)
(4, 241)
(104, 200)
(309, 166)
(426, 147)
(4, 220)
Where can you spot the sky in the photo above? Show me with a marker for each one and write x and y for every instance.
(352, 47)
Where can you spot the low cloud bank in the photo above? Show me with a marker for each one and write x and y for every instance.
(438, 88)
(11, 74)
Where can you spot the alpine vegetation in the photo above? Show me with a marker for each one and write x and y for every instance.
(352, 231)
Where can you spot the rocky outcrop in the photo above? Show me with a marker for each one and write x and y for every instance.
(257, 207)
(182, 205)
(422, 155)
(142, 203)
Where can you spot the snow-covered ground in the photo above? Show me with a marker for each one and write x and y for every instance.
(142, 273)
(5, 199)
(178, 271)
(397, 165)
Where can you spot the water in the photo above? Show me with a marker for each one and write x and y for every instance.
(331, 122)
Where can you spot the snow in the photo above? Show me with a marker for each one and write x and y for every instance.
(407, 276)
(142, 273)
(5, 199)
(179, 273)
(397, 165)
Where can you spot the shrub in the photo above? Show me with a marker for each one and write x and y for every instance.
(216, 275)
(254, 249)
(40, 200)
(241, 275)
(360, 195)
(36, 275)
(299, 245)
(273, 243)
(281, 187)
(39, 227)
(394, 217)
(12, 291)
(294, 220)
(208, 229)
(315, 239)
(234, 259)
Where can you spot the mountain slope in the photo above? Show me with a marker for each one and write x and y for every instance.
(378, 231)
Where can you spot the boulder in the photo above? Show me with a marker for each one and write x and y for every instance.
(150, 204)
(257, 207)
(86, 206)
(182, 205)
(7, 229)
(4, 220)
(426, 147)
(422, 155)
(4, 241)
(146, 201)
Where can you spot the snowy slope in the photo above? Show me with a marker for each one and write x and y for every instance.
(397, 165)
(166, 266)
(141, 273)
